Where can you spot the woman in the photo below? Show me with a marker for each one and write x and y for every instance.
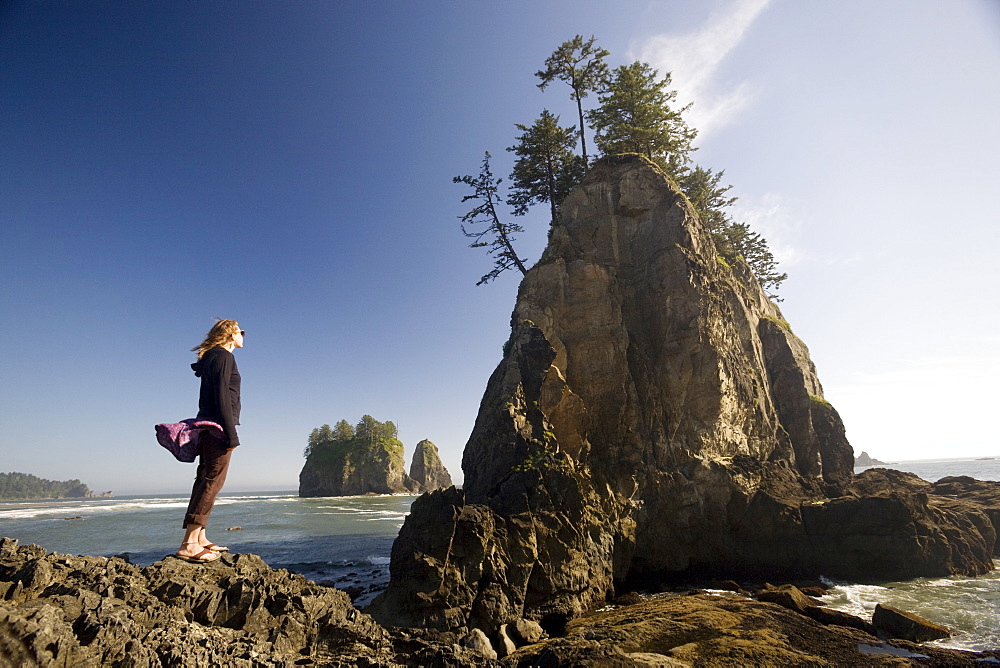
(219, 401)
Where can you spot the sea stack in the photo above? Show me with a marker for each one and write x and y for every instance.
(864, 459)
(352, 460)
(653, 415)
(426, 468)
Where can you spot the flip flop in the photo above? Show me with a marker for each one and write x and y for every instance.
(215, 548)
(195, 559)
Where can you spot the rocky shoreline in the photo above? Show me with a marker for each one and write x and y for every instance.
(62, 610)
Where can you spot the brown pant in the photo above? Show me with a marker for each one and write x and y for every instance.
(213, 464)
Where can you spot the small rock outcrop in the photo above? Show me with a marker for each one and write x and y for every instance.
(426, 468)
(897, 623)
(864, 459)
(653, 414)
(353, 460)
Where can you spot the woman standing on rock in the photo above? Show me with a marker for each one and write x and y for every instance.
(219, 401)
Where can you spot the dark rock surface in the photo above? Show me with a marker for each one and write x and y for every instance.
(427, 469)
(653, 415)
(787, 596)
(983, 493)
(711, 630)
(901, 624)
(61, 610)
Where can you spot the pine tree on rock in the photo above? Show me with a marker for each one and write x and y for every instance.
(635, 117)
(546, 168)
(580, 63)
(498, 236)
(710, 198)
(754, 248)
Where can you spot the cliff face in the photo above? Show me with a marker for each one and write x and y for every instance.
(660, 354)
(653, 414)
(426, 468)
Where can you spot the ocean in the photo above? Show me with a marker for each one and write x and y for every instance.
(346, 542)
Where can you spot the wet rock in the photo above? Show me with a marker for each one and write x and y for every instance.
(630, 598)
(829, 616)
(898, 623)
(813, 591)
(787, 596)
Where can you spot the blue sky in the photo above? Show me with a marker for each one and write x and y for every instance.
(289, 165)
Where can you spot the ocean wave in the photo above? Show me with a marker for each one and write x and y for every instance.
(854, 599)
(969, 606)
(949, 582)
(270, 498)
(87, 506)
(87, 509)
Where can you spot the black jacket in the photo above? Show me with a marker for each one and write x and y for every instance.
(219, 399)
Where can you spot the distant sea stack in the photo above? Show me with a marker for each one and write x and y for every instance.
(426, 469)
(351, 460)
(653, 415)
(864, 459)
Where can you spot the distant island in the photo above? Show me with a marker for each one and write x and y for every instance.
(22, 486)
(349, 460)
(864, 459)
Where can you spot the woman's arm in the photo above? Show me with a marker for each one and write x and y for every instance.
(223, 373)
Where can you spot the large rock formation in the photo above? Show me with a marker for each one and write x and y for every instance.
(426, 468)
(653, 414)
(349, 461)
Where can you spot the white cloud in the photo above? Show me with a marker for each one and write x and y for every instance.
(694, 59)
(769, 217)
(786, 232)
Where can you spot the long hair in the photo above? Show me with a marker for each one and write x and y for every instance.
(220, 334)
